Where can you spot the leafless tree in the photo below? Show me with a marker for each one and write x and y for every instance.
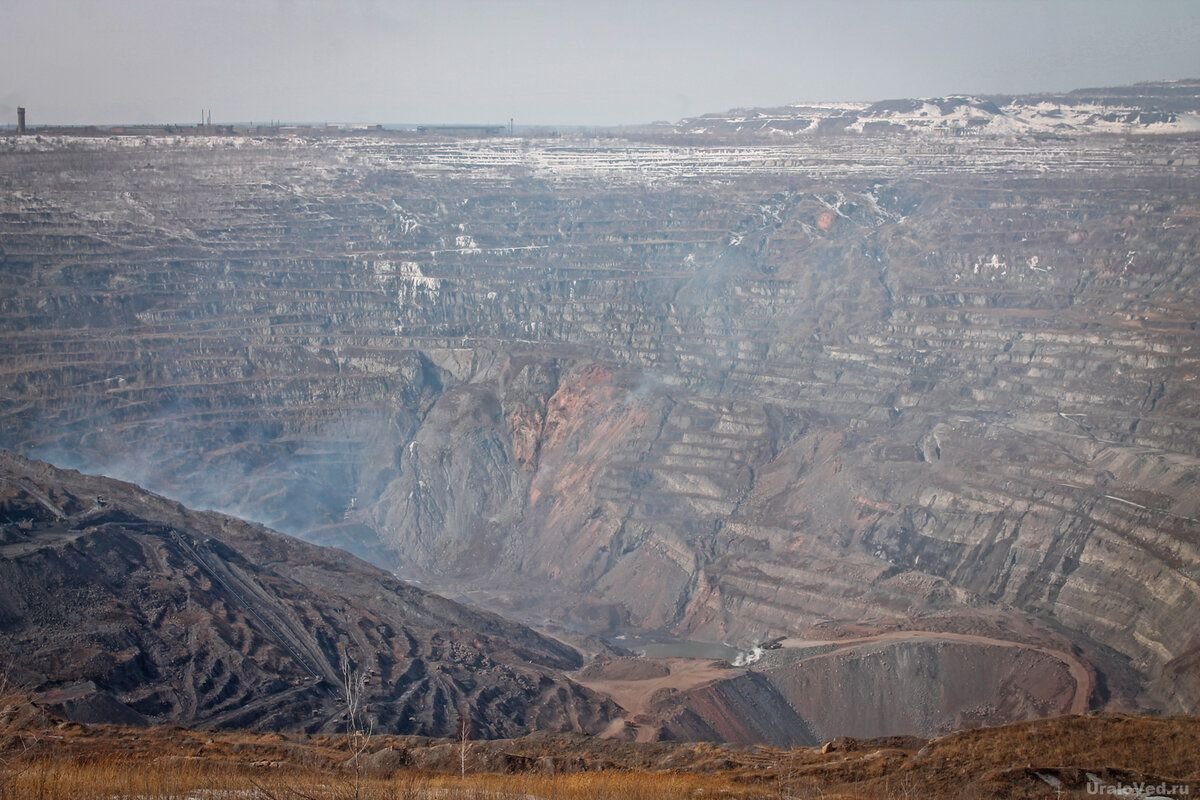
(464, 741)
(359, 726)
(789, 783)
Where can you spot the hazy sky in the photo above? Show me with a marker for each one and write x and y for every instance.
(567, 62)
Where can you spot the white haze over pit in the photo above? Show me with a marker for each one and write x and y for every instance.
(747, 657)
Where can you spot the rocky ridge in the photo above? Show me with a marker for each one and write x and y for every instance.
(120, 606)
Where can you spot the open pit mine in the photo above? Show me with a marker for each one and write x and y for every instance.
(907, 413)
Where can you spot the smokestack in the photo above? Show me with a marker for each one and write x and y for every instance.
(20, 119)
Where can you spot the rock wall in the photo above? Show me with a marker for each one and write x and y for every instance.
(729, 391)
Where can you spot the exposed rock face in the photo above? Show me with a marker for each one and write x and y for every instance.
(747, 708)
(932, 687)
(726, 391)
(120, 606)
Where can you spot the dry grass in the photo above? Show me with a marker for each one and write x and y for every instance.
(1166, 746)
(74, 762)
(62, 780)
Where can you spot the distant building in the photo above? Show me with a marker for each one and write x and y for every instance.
(20, 119)
(462, 130)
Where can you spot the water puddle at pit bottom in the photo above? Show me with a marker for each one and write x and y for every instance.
(650, 647)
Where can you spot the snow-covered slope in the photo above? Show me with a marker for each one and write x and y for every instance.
(1145, 108)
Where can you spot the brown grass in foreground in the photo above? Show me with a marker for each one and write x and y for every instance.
(53, 780)
(1042, 759)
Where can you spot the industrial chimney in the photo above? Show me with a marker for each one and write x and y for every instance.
(20, 119)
